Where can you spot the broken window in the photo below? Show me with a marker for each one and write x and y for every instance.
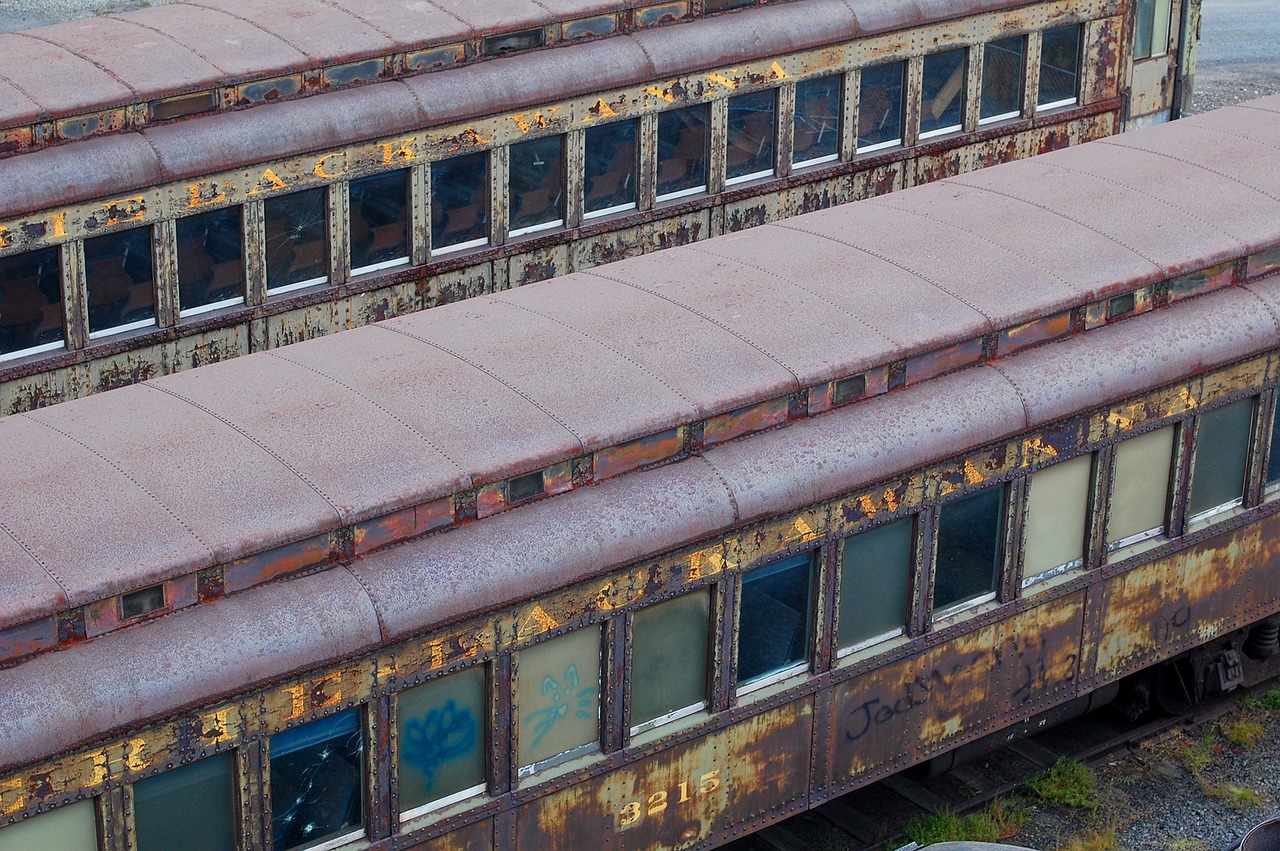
(297, 240)
(317, 789)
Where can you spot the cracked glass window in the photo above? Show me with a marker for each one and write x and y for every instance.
(559, 696)
(316, 781)
(774, 618)
(192, 807)
(969, 552)
(30, 303)
(875, 575)
(210, 261)
(120, 278)
(297, 240)
(440, 739)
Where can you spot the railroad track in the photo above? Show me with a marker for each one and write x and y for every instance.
(876, 816)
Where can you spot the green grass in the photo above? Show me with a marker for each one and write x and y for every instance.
(1244, 733)
(1196, 756)
(1269, 701)
(1001, 819)
(1241, 799)
(1093, 840)
(1069, 783)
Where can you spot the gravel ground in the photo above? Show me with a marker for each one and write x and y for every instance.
(1196, 790)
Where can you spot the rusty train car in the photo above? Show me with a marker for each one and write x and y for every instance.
(184, 184)
(652, 555)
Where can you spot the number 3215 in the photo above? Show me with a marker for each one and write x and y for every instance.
(654, 804)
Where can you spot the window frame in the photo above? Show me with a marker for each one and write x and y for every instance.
(916, 521)
(953, 611)
(961, 93)
(1203, 517)
(589, 215)
(1075, 99)
(794, 669)
(41, 348)
(841, 81)
(326, 191)
(235, 301)
(1022, 82)
(681, 712)
(707, 150)
(136, 325)
(486, 186)
(1090, 509)
(407, 258)
(775, 114)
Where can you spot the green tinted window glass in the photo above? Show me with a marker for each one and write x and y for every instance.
(1222, 455)
(1273, 464)
(875, 576)
(192, 807)
(440, 737)
(69, 828)
(1057, 515)
(669, 656)
(1140, 486)
(559, 695)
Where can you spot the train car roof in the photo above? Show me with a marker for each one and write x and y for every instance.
(117, 72)
(214, 466)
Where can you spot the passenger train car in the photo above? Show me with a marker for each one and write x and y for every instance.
(652, 555)
(187, 183)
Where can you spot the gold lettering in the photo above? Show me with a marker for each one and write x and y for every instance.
(971, 474)
(603, 110)
(216, 726)
(1035, 448)
(394, 152)
(12, 798)
(321, 171)
(722, 80)
(801, 532)
(664, 94)
(537, 622)
(1120, 421)
(437, 654)
(705, 563)
(201, 195)
(135, 754)
(125, 210)
(269, 180)
(4, 238)
(868, 507)
(59, 224)
(776, 70)
(891, 499)
(99, 768)
(297, 700)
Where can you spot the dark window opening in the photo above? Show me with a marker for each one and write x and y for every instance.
(210, 260)
(496, 45)
(817, 121)
(609, 184)
(525, 487)
(119, 275)
(752, 118)
(144, 602)
(880, 106)
(942, 100)
(30, 303)
(380, 221)
(684, 139)
(774, 618)
(969, 537)
(1121, 305)
(1273, 460)
(537, 185)
(1002, 64)
(297, 240)
(316, 781)
(849, 389)
(1060, 66)
(460, 202)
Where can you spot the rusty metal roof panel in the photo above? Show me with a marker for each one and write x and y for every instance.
(342, 446)
(882, 15)
(30, 62)
(726, 39)
(507, 15)
(324, 32)
(17, 103)
(55, 176)
(410, 23)
(534, 549)
(595, 392)
(88, 522)
(236, 47)
(1143, 353)
(661, 336)
(527, 79)
(149, 62)
(820, 458)
(451, 403)
(1268, 292)
(28, 588)
(56, 701)
(226, 490)
(224, 142)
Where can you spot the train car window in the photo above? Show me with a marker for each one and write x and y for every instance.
(440, 741)
(120, 278)
(558, 698)
(210, 261)
(297, 240)
(1273, 459)
(460, 203)
(1060, 67)
(875, 580)
(609, 184)
(970, 532)
(684, 146)
(942, 98)
(1151, 28)
(317, 791)
(1221, 459)
(1140, 487)
(669, 660)
(30, 303)
(379, 221)
(192, 807)
(1057, 518)
(537, 185)
(774, 621)
(817, 121)
(752, 125)
(880, 106)
(69, 828)
(1002, 64)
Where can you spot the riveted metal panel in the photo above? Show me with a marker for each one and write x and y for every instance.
(732, 781)
(1104, 59)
